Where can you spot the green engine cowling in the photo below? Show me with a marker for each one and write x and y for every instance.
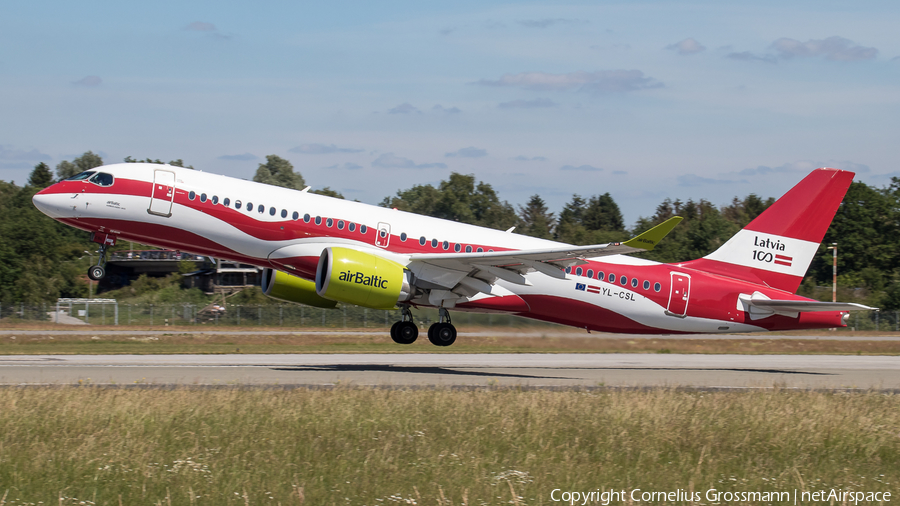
(360, 278)
(282, 286)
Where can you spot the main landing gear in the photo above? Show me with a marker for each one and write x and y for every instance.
(405, 331)
(442, 333)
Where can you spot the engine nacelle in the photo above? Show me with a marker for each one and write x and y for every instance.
(360, 278)
(282, 286)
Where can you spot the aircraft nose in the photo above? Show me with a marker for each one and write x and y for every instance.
(47, 202)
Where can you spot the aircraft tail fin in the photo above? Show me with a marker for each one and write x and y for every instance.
(776, 248)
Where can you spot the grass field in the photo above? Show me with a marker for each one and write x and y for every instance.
(85, 445)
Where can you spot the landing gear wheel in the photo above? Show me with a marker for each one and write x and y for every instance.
(96, 272)
(442, 334)
(404, 332)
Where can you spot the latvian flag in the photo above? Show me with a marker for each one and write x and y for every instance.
(783, 260)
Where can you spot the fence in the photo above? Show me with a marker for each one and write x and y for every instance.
(268, 315)
(292, 315)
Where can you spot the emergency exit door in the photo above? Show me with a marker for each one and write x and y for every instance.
(679, 294)
(163, 193)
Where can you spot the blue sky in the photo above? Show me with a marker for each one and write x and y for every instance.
(644, 100)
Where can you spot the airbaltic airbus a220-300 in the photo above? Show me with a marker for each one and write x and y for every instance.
(319, 251)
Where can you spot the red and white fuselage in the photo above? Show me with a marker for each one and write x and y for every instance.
(287, 230)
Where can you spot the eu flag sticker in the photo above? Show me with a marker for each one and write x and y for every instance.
(580, 286)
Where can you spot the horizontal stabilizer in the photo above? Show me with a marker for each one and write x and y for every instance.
(804, 306)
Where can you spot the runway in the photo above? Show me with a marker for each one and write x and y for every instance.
(525, 370)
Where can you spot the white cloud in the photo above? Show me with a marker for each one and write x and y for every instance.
(470, 152)
(528, 104)
(833, 48)
(441, 109)
(804, 167)
(583, 168)
(345, 166)
(322, 149)
(748, 56)
(200, 26)
(390, 161)
(240, 158)
(548, 22)
(695, 180)
(89, 81)
(7, 153)
(405, 108)
(687, 46)
(601, 81)
(522, 158)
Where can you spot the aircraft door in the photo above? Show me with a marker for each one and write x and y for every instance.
(679, 292)
(383, 235)
(163, 193)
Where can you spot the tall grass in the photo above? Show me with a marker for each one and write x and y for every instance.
(359, 446)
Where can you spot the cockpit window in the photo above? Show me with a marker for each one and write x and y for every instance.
(102, 179)
(82, 176)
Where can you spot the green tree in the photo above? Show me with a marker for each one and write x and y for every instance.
(174, 163)
(41, 176)
(279, 172)
(536, 220)
(87, 161)
(328, 192)
(570, 228)
(603, 213)
(457, 199)
(742, 212)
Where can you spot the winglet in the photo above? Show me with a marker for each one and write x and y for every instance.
(649, 239)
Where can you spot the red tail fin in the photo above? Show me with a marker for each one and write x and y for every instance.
(777, 247)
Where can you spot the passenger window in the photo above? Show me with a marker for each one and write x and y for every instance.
(261, 208)
(215, 200)
(612, 278)
(480, 250)
(363, 229)
(600, 275)
(590, 273)
(624, 280)
(468, 249)
(403, 236)
(422, 241)
(457, 247)
(578, 271)
(272, 211)
(568, 270)
(340, 224)
(191, 195)
(634, 282)
(318, 220)
(249, 207)
(351, 227)
(295, 216)
(446, 245)
(434, 243)
(657, 287)
(646, 285)
(329, 222)
(202, 197)
(226, 202)
(306, 218)
(284, 213)
(237, 204)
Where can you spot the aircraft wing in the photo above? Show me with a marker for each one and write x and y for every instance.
(511, 265)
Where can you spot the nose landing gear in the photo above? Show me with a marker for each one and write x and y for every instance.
(96, 272)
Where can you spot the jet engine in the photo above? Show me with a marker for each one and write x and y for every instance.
(282, 286)
(360, 278)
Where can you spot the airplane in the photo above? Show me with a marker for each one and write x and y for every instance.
(321, 251)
